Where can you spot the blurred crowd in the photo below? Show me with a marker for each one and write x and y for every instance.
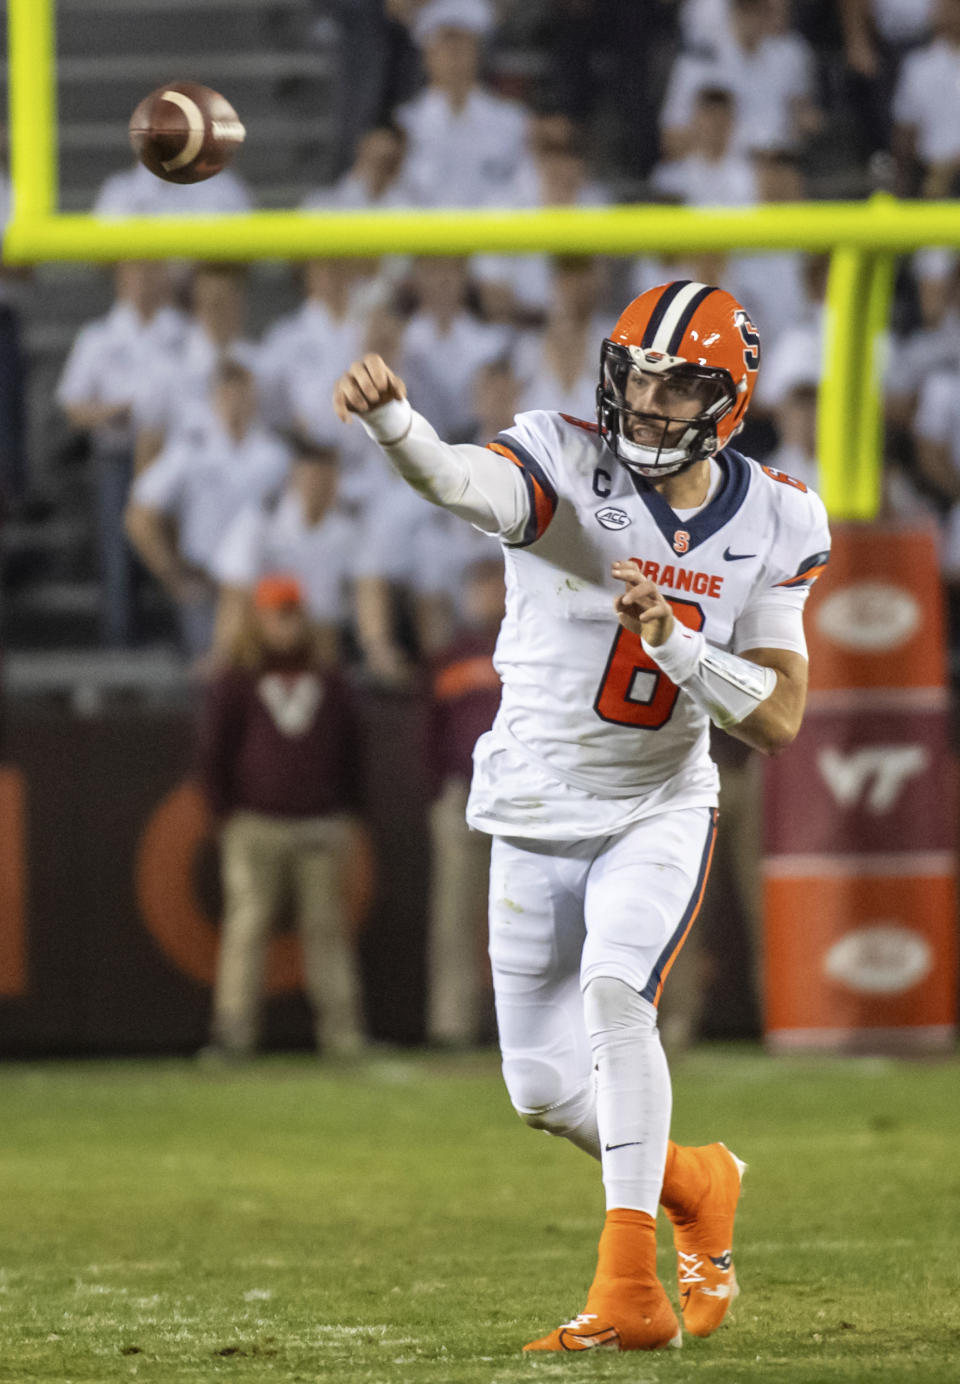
(218, 466)
(215, 456)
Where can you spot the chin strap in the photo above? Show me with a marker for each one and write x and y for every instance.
(728, 688)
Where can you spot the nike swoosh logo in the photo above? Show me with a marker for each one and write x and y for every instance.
(606, 1336)
(735, 557)
(631, 1143)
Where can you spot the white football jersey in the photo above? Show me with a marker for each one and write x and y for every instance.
(590, 735)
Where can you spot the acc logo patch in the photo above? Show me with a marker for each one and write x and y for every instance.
(613, 518)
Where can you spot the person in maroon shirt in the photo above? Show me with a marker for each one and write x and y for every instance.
(280, 766)
(465, 695)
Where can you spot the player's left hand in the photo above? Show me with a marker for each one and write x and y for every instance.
(641, 608)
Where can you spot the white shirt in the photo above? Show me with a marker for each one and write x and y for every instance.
(902, 21)
(927, 97)
(352, 193)
(923, 354)
(264, 540)
(391, 530)
(765, 84)
(541, 386)
(771, 288)
(175, 394)
(462, 158)
(203, 478)
(937, 418)
(300, 360)
(446, 550)
(529, 277)
(796, 358)
(704, 23)
(112, 356)
(416, 544)
(138, 192)
(701, 182)
(439, 367)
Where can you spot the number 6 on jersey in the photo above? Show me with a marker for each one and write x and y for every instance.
(633, 691)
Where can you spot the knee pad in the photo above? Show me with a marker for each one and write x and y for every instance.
(535, 1087)
(610, 1005)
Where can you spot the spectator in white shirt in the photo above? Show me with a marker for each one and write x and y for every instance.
(926, 111)
(771, 74)
(796, 422)
(108, 362)
(415, 557)
(517, 287)
(771, 283)
(446, 551)
(137, 192)
(465, 143)
(558, 368)
(933, 346)
(182, 504)
(704, 23)
(444, 346)
(376, 180)
(712, 173)
(311, 343)
(175, 394)
(797, 355)
(299, 532)
(936, 432)
(302, 355)
(936, 437)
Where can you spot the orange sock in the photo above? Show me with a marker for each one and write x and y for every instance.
(626, 1257)
(684, 1180)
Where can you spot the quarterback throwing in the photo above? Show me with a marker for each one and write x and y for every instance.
(655, 582)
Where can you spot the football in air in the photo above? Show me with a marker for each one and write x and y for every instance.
(185, 132)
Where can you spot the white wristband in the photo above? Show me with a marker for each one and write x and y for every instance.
(679, 653)
(389, 423)
(728, 688)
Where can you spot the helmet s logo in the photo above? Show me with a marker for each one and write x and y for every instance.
(681, 541)
(751, 341)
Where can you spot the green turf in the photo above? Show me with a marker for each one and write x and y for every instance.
(397, 1223)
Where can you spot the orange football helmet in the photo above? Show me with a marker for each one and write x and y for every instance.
(677, 374)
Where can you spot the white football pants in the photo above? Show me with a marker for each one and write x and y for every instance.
(582, 936)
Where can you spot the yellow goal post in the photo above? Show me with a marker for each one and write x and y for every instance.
(862, 238)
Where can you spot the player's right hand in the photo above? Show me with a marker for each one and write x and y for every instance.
(366, 385)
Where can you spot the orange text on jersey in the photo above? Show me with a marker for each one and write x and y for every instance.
(681, 578)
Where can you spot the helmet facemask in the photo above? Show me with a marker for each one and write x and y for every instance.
(654, 444)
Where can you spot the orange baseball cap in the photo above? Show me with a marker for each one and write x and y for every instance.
(276, 592)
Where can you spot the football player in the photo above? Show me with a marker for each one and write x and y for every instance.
(655, 582)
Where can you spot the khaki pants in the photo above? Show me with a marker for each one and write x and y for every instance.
(263, 860)
(458, 974)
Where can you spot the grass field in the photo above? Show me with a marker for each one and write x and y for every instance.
(395, 1222)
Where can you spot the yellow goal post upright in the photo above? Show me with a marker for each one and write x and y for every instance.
(862, 238)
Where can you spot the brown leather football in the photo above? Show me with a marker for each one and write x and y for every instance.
(185, 132)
